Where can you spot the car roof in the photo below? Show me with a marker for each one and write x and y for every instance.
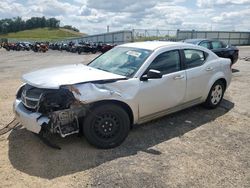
(153, 45)
(195, 41)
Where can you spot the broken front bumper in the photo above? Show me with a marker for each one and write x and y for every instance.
(32, 121)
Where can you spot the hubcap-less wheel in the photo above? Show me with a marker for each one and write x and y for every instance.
(216, 94)
(106, 126)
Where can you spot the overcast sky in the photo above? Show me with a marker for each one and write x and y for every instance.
(92, 16)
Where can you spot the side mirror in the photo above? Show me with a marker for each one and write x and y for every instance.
(151, 74)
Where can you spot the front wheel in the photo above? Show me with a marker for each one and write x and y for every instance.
(106, 126)
(215, 95)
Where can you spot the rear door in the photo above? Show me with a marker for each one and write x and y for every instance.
(198, 73)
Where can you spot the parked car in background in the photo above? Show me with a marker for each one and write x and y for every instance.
(130, 84)
(106, 47)
(87, 48)
(218, 47)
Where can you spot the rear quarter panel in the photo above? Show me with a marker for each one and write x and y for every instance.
(222, 70)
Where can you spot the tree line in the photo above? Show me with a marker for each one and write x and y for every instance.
(16, 24)
(70, 28)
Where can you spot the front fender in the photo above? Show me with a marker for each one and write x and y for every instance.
(123, 91)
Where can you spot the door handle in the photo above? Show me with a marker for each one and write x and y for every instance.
(209, 68)
(179, 77)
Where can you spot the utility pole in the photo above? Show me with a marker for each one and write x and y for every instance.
(107, 28)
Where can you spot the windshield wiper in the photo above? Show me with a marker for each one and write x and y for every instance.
(101, 69)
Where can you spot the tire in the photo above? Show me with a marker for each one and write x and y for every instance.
(106, 126)
(215, 95)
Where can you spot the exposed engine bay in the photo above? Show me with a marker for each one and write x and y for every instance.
(58, 105)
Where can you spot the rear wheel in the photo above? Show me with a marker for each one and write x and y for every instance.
(106, 126)
(215, 95)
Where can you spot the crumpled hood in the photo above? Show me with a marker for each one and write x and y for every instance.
(53, 78)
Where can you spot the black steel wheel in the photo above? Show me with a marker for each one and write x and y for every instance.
(106, 126)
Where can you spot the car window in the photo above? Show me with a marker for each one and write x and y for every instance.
(216, 44)
(167, 62)
(194, 58)
(224, 45)
(205, 44)
(123, 61)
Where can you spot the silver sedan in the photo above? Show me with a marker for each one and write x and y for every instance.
(130, 84)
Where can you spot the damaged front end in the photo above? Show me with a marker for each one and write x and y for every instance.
(52, 110)
(62, 110)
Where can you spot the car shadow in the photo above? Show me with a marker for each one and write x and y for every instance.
(28, 154)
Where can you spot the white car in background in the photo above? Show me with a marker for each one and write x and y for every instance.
(130, 84)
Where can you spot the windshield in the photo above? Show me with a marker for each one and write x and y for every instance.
(123, 61)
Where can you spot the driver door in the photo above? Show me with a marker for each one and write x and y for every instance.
(158, 95)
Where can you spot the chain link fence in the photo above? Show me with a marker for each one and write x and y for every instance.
(229, 37)
(153, 34)
(134, 35)
(118, 37)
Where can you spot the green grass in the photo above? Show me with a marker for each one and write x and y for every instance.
(43, 34)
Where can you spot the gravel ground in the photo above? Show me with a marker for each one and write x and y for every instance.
(192, 148)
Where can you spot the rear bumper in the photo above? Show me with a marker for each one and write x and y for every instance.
(32, 121)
